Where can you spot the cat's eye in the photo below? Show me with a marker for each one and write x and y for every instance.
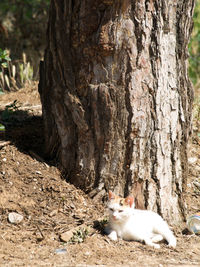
(111, 209)
(120, 210)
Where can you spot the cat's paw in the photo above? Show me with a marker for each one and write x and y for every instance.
(157, 238)
(113, 236)
(156, 246)
(151, 244)
(172, 244)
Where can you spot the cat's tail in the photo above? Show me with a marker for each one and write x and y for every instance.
(163, 229)
(171, 239)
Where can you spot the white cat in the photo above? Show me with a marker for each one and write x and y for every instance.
(129, 223)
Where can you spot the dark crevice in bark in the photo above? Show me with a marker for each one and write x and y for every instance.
(147, 2)
(173, 147)
(185, 99)
(72, 5)
(100, 146)
(139, 32)
(179, 190)
(146, 194)
(165, 9)
(154, 53)
(158, 202)
(98, 149)
(129, 142)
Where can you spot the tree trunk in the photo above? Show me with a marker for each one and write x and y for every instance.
(117, 99)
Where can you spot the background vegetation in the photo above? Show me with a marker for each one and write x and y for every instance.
(194, 49)
(23, 30)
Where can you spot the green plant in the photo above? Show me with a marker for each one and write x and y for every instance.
(103, 222)
(79, 236)
(2, 128)
(25, 70)
(4, 58)
(194, 48)
(23, 26)
(15, 75)
(10, 110)
(196, 117)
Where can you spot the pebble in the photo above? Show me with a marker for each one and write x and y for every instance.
(66, 236)
(87, 253)
(61, 251)
(15, 218)
(53, 213)
(192, 160)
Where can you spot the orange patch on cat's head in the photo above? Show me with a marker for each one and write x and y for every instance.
(113, 197)
(129, 201)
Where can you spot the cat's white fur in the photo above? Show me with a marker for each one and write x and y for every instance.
(129, 223)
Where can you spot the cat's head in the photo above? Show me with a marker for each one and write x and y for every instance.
(120, 208)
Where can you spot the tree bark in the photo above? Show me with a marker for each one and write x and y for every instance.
(117, 99)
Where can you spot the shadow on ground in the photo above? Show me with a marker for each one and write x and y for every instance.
(24, 130)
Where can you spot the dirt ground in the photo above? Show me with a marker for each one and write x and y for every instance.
(50, 206)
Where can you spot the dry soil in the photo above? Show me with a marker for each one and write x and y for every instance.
(50, 206)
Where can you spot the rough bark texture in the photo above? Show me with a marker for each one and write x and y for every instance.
(117, 99)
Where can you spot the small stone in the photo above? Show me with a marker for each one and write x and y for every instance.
(192, 160)
(53, 213)
(87, 253)
(66, 236)
(15, 218)
(60, 251)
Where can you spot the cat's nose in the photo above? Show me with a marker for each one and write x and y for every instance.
(114, 217)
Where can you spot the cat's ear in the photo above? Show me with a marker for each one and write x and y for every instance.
(130, 201)
(111, 195)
